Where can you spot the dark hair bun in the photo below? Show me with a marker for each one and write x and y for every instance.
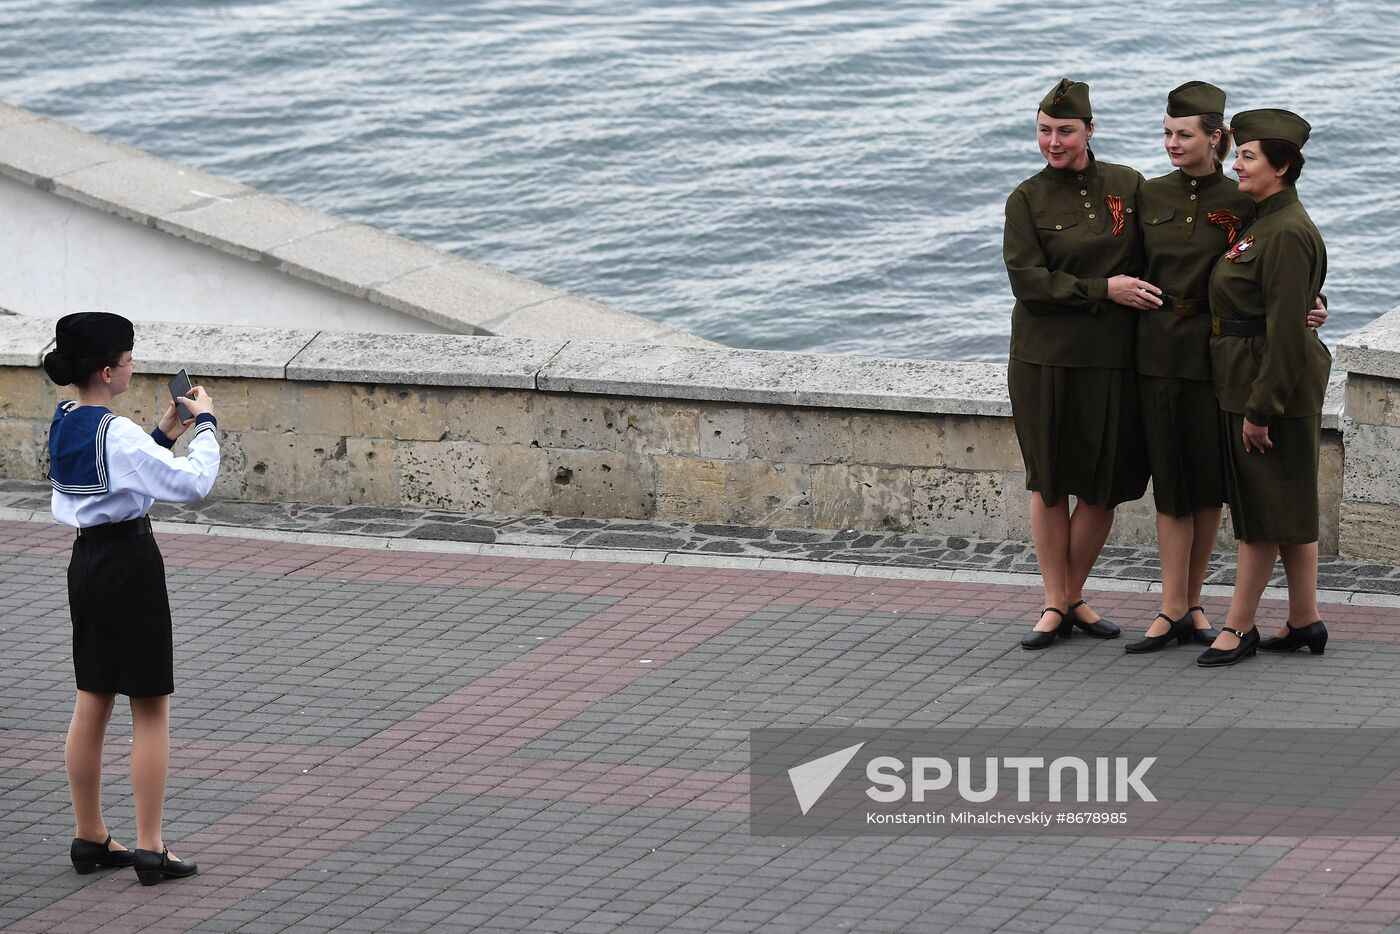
(59, 368)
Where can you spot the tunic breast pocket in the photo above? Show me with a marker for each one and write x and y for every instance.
(1153, 217)
(1054, 221)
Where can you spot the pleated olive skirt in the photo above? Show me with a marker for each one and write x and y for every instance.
(1273, 496)
(1181, 422)
(1080, 431)
(122, 640)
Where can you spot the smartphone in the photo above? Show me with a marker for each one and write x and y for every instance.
(181, 386)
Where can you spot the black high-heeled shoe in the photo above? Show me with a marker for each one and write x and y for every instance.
(151, 866)
(1313, 635)
(1099, 629)
(1219, 658)
(1036, 639)
(1178, 629)
(1202, 636)
(87, 856)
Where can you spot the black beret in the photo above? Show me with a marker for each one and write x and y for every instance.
(89, 334)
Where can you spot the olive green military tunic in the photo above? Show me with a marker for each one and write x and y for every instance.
(1071, 378)
(1187, 223)
(1272, 274)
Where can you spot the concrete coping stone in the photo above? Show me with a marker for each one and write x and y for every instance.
(40, 150)
(1334, 402)
(634, 370)
(1374, 349)
(25, 340)
(779, 378)
(164, 347)
(208, 350)
(364, 262)
(423, 359)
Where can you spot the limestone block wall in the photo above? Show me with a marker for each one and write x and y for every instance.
(1370, 507)
(514, 426)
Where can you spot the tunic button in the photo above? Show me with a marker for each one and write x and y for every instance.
(1193, 197)
(1083, 191)
(1091, 217)
(1059, 227)
(1087, 204)
(1193, 183)
(1189, 219)
(1080, 177)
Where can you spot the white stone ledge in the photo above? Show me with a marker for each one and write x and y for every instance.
(1373, 350)
(363, 262)
(25, 340)
(1334, 402)
(259, 353)
(779, 378)
(756, 377)
(423, 360)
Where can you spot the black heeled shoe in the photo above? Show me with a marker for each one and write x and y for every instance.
(87, 856)
(1202, 636)
(1100, 629)
(1179, 629)
(1219, 658)
(151, 866)
(1035, 639)
(1313, 635)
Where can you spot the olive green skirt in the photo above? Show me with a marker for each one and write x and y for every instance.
(1181, 422)
(1273, 496)
(1080, 432)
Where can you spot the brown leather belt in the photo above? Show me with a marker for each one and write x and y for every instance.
(1238, 327)
(1184, 307)
(115, 531)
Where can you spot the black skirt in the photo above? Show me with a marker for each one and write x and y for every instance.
(122, 641)
(1181, 421)
(1273, 496)
(1080, 432)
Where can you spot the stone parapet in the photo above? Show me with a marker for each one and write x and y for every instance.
(1370, 504)
(516, 427)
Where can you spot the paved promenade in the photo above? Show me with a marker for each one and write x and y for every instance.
(388, 733)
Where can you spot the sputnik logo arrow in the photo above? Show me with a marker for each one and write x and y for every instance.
(810, 780)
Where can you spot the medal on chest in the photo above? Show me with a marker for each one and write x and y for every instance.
(1239, 249)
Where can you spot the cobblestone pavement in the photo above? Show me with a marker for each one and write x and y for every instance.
(874, 549)
(369, 740)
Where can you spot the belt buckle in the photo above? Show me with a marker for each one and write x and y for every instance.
(1215, 325)
(1183, 307)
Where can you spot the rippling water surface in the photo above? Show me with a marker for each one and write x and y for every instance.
(798, 175)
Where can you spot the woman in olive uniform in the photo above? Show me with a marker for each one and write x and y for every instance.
(1270, 374)
(1188, 218)
(1072, 249)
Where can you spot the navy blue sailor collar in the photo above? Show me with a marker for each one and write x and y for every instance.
(78, 449)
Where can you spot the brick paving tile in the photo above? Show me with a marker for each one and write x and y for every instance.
(381, 740)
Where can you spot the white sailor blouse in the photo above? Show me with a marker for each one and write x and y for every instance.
(104, 468)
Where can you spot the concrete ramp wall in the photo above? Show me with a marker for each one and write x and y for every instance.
(87, 223)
